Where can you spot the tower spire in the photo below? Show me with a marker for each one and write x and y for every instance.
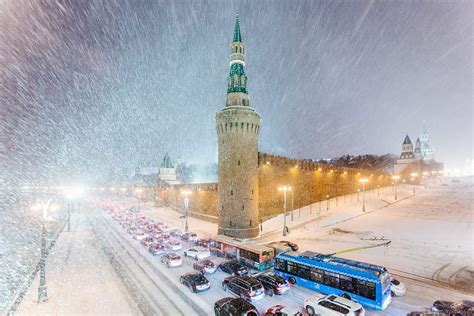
(237, 36)
(237, 80)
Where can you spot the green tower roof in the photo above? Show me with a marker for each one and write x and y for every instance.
(167, 162)
(237, 36)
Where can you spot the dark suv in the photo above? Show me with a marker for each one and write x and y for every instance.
(233, 268)
(273, 283)
(230, 306)
(246, 287)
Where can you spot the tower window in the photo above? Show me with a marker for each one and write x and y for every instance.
(230, 126)
(231, 192)
(238, 162)
(252, 192)
(242, 126)
(248, 126)
(242, 207)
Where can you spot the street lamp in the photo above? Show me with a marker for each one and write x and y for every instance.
(413, 176)
(284, 188)
(363, 181)
(138, 191)
(327, 202)
(186, 193)
(396, 178)
(42, 289)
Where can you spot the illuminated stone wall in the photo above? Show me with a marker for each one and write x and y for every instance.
(311, 182)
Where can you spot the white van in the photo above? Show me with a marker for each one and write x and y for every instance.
(332, 305)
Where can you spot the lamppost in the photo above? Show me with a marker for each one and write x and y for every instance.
(186, 193)
(284, 188)
(396, 178)
(363, 181)
(42, 289)
(378, 190)
(327, 202)
(413, 179)
(358, 192)
(425, 177)
(138, 191)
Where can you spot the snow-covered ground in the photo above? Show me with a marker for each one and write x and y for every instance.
(431, 251)
(79, 278)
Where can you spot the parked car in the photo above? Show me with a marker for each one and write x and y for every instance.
(293, 246)
(174, 245)
(205, 266)
(230, 306)
(332, 305)
(273, 283)
(233, 267)
(198, 253)
(280, 310)
(172, 259)
(195, 281)
(397, 288)
(463, 307)
(245, 286)
(157, 249)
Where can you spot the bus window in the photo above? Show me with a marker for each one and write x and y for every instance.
(345, 283)
(292, 267)
(331, 279)
(303, 272)
(317, 275)
(280, 265)
(366, 289)
(249, 255)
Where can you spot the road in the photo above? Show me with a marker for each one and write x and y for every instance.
(155, 280)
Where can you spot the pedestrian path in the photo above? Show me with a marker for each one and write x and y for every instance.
(79, 279)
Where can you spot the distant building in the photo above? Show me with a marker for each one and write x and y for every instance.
(167, 172)
(418, 160)
(427, 151)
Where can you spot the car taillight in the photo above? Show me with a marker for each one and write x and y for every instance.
(249, 293)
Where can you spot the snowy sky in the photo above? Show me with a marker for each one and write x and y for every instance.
(95, 84)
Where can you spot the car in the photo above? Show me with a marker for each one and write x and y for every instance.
(229, 306)
(273, 283)
(397, 288)
(157, 249)
(176, 232)
(131, 230)
(197, 253)
(293, 246)
(205, 266)
(280, 310)
(174, 245)
(195, 281)
(332, 305)
(172, 259)
(139, 235)
(185, 236)
(463, 307)
(192, 237)
(147, 241)
(233, 267)
(244, 286)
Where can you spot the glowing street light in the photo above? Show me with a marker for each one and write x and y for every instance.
(396, 178)
(186, 193)
(284, 188)
(363, 181)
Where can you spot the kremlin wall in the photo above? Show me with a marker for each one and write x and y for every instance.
(311, 182)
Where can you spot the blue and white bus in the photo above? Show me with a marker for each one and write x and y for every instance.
(366, 283)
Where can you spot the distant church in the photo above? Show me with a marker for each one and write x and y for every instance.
(418, 160)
